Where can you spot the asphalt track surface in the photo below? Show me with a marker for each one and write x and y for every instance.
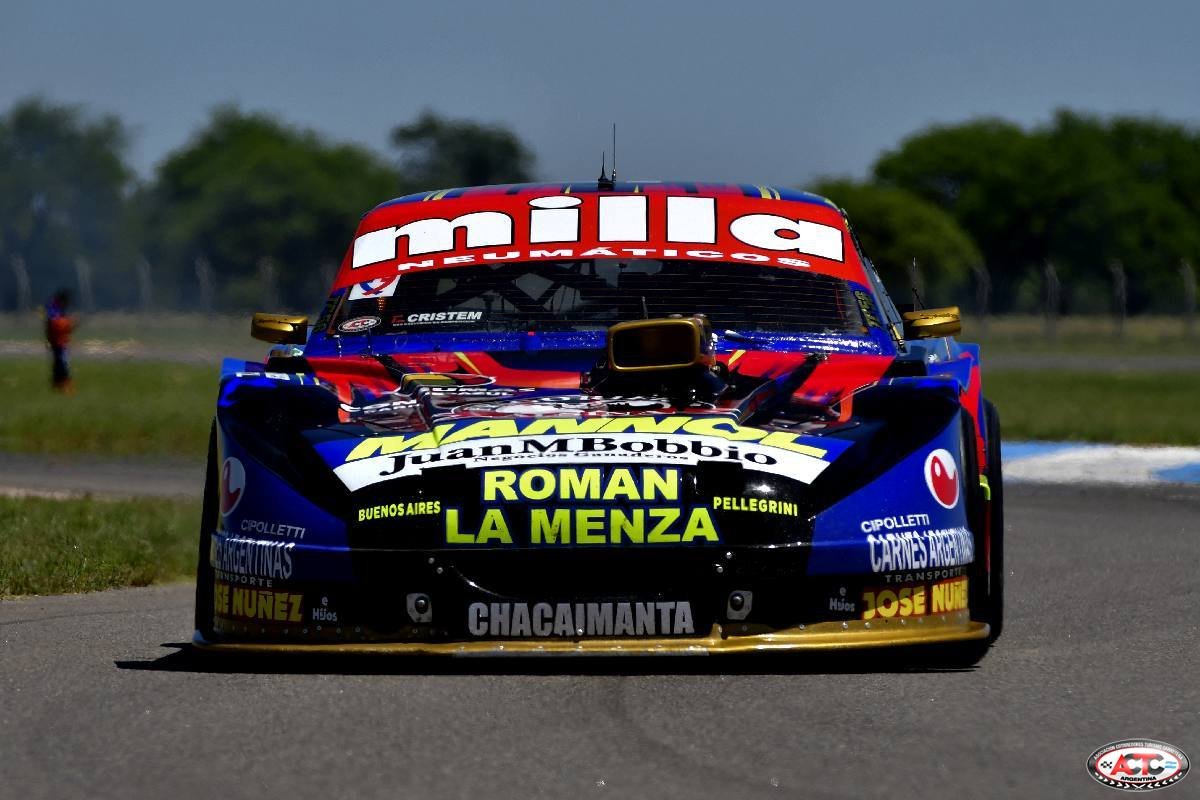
(98, 699)
(29, 475)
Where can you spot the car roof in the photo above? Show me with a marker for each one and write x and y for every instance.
(701, 188)
(444, 228)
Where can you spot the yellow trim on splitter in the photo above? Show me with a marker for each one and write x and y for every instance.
(939, 629)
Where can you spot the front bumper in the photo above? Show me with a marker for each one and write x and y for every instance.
(823, 636)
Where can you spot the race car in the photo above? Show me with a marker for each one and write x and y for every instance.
(601, 418)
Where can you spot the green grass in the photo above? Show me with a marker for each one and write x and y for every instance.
(120, 408)
(219, 332)
(55, 546)
(1081, 335)
(133, 408)
(1134, 408)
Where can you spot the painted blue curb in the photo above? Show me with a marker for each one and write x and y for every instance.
(1087, 463)
(1017, 450)
(1188, 473)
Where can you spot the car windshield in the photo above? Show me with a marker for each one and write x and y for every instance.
(593, 294)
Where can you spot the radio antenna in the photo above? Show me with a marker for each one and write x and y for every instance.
(613, 177)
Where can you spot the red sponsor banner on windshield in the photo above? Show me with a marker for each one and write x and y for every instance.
(488, 227)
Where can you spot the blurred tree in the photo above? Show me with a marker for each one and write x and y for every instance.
(1125, 190)
(1080, 191)
(978, 172)
(440, 153)
(63, 184)
(249, 188)
(895, 226)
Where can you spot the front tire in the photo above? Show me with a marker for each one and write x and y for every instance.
(208, 521)
(986, 520)
(992, 606)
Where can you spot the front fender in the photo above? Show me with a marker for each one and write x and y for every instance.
(900, 521)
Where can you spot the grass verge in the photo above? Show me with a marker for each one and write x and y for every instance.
(124, 409)
(119, 409)
(222, 333)
(1080, 336)
(1131, 408)
(55, 546)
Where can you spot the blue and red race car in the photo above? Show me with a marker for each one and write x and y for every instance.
(604, 418)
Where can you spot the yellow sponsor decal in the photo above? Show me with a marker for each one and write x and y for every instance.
(450, 433)
(586, 483)
(757, 505)
(390, 445)
(492, 530)
(248, 603)
(408, 382)
(621, 526)
(917, 600)
(906, 601)
(575, 506)
(589, 526)
(538, 492)
(949, 596)
(412, 508)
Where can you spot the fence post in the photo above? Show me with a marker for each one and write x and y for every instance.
(24, 289)
(1188, 274)
(983, 293)
(145, 285)
(1117, 270)
(914, 279)
(1053, 299)
(83, 273)
(268, 279)
(204, 278)
(329, 271)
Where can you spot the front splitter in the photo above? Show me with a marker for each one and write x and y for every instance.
(957, 627)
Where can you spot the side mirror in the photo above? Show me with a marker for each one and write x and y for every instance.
(279, 328)
(932, 323)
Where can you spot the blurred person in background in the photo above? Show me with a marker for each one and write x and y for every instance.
(59, 324)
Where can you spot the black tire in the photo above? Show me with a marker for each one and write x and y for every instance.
(963, 655)
(208, 521)
(992, 605)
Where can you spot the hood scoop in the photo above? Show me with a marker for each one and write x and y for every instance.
(670, 357)
(674, 358)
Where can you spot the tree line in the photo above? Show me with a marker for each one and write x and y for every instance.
(1081, 214)
(250, 212)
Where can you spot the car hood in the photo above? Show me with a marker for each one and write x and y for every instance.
(432, 408)
(418, 391)
(458, 436)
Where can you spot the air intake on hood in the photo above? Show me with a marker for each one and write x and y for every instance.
(671, 357)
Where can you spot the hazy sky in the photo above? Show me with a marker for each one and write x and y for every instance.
(777, 92)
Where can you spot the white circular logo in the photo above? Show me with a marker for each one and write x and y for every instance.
(941, 476)
(233, 485)
(359, 324)
(1144, 764)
